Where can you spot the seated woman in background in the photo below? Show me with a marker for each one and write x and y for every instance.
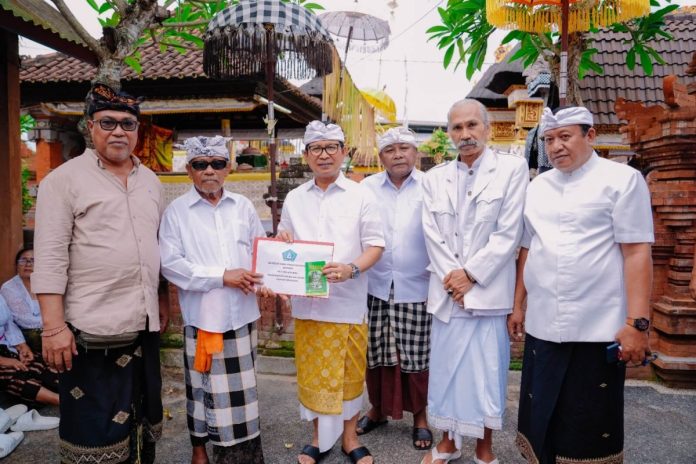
(22, 302)
(22, 372)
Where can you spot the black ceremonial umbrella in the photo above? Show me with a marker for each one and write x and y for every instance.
(255, 37)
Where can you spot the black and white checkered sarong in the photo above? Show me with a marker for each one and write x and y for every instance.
(398, 333)
(222, 405)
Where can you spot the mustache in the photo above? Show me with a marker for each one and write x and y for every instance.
(469, 143)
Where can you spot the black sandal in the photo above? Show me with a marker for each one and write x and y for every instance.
(314, 453)
(422, 434)
(367, 425)
(358, 453)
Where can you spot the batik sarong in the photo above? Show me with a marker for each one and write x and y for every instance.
(571, 404)
(222, 404)
(110, 404)
(25, 385)
(469, 363)
(398, 356)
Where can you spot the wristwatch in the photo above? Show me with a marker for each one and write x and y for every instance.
(355, 271)
(640, 323)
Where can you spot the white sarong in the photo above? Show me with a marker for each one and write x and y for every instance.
(469, 361)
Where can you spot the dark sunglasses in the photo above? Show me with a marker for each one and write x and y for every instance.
(203, 165)
(128, 125)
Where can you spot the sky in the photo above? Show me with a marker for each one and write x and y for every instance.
(410, 67)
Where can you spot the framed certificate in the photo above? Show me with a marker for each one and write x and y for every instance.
(293, 268)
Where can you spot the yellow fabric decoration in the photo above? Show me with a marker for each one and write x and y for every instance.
(345, 105)
(539, 16)
(331, 359)
(207, 344)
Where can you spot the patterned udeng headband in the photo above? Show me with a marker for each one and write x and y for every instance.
(102, 97)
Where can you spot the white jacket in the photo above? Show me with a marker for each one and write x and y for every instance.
(498, 196)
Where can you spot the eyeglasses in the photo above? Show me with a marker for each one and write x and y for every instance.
(128, 125)
(25, 261)
(315, 150)
(203, 165)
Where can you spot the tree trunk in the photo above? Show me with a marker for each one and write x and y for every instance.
(109, 72)
(576, 45)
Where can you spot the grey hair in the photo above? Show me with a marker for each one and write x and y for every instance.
(470, 101)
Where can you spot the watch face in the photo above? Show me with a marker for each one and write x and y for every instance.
(641, 324)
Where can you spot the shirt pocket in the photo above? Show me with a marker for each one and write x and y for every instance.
(488, 205)
(444, 215)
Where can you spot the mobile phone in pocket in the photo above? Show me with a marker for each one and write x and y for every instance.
(613, 353)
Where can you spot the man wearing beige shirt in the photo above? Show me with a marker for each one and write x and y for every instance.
(96, 276)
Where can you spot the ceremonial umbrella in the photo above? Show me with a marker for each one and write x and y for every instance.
(566, 16)
(259, 36)
(382, 102)
(360, 32)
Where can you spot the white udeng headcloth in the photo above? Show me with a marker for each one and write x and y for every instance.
(317, 130)
(206, 146)
(397, 135)
(565, 117)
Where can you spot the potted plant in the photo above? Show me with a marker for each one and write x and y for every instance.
(438, 148)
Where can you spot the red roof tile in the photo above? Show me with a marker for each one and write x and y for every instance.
(600, 92)
(57, 67)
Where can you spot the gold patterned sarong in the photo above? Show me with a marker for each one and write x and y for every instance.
(331, 359)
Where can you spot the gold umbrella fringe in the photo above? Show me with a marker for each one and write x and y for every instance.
(344, 104)
(545, 15)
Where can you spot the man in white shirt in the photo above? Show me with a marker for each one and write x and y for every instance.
(206, 240)
(399, 324)
(587, 278)
(472, 218)
(331, 333)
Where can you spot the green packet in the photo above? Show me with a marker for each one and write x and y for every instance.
(315, 280)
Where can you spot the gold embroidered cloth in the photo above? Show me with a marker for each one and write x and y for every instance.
(331, 361)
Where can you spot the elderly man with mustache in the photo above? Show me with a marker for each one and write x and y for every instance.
(472, 220)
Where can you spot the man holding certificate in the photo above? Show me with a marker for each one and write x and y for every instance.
(331, 333)
(206, 237)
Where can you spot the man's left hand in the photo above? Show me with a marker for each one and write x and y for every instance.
(634, 344)
(337, 272)
(457, 284)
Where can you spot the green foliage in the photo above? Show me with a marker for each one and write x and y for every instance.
(438, 146)
(26, 123)
(27, 199)
(464, 30)
(182, 31)
(463, 34)
(641, 31)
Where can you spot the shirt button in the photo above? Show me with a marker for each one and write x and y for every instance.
(456, 234)
(469, 193)
(471, 172)
(456, 255)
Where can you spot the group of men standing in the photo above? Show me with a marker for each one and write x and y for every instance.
(431, 275)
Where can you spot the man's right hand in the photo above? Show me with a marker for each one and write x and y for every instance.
(242, 279)
(515, 324)
(58, 350)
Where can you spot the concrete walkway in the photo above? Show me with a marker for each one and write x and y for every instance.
(660, 428)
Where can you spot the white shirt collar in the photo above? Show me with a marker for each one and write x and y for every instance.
(194, 197)
(585, 167)
(340, 182)
(412, 177)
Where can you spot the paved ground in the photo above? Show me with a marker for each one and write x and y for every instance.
(660, 428)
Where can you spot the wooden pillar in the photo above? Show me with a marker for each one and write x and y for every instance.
(10, 158)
